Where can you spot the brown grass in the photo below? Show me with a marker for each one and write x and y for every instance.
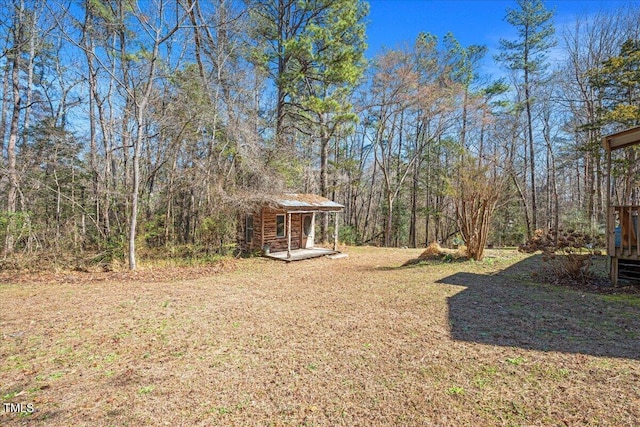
(354, 341)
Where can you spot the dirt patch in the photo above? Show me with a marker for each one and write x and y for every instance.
(353, 341)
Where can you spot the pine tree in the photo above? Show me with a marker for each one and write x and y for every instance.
(527, 55)
(618, 80)
(314, 51)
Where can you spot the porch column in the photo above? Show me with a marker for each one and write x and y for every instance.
(335, 232)
(611, 232)
(289, 235)
(262, 229)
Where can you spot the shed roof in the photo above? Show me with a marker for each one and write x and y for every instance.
(309, 202)
(622, 139)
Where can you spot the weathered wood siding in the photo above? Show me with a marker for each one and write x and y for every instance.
(268, 216)
(275, 243)
(255, 243)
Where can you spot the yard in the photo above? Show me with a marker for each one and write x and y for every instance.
(354, 341)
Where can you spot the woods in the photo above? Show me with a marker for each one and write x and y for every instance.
(137, 129)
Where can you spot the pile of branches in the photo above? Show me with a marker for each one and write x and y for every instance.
(567, 256)
(552, 241)
(434, 252)
(566, 268)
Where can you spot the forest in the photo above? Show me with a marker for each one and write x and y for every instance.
(138, 129)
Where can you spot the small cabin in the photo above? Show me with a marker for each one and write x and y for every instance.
(623, 207)
(283, 226)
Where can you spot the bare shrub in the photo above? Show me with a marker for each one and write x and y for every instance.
(570, 266)
(476, 192)
(567, 255)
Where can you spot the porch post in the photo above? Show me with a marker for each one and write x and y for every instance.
(611, 232)
(335, 231)
(611, 242)
(289, 235)
(630, 232)
(262, 229)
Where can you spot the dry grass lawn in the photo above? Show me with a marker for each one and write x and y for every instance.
(355, 341)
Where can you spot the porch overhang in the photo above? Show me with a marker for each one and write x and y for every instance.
(625, 138)
(622, 237)
(305, 203)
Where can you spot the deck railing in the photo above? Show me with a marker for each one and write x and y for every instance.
(623, 236)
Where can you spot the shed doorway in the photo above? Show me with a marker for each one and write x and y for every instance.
(307, 231)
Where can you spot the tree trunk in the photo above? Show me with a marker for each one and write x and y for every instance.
(523, 199)
(11, 152)
(532, 161)
(280, 73)
(413, 234)
(3, 111)
(324, 177)
(30, 64)
(89, 51)
(389, 220)
(135, 191)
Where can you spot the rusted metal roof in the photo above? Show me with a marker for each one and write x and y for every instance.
(294, 201)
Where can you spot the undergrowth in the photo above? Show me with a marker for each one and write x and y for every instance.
(568, 266)
(95, 261)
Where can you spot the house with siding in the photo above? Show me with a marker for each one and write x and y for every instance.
(283, 226)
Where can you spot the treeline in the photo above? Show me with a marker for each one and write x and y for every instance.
(135, 128)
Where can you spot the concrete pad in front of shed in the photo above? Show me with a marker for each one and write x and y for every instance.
(338, 256)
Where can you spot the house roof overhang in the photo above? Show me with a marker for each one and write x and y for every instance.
(625, 138)
(295, 202)
(290, 202)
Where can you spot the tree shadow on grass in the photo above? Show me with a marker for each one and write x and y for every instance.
(508, 309)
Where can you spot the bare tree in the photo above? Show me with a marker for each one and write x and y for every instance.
(476, 193)
(19, 44)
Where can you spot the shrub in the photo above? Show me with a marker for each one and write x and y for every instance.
(347, 235)
(475, 192)
(567, 256)
(568, 266)
(217, 230)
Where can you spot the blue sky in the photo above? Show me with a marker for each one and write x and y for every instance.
(394, 22)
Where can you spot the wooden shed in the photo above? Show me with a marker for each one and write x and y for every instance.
(283, 226)
(623, 239)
